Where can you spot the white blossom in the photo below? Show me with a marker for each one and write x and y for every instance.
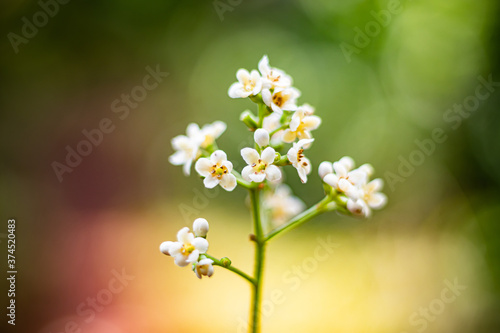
(200, 227)
(282, 205)
(261, 137)
(204, 267)
(188, 146)
(217, 171)
(261, 166)
(272, 123)
(249, 84)
(299, 161)
(344, 179)
(325, 168)
(187, 249)
(281, 99)
(272, 77)
(369, 197)
(301, 125)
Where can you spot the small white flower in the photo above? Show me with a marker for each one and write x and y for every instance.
(261, 137)
(325, 168)
(188, 248)
(272, 77)
(188, 146)
(271, 123)
(216, 170)
(370, 198)
(261, 166)
(299, 161)
(358, 207)
(200, 227)
(345, 179)
(248, 84)
(211, 132)
(281, 99)
(204, 267)
(301, 125)
(282, 204)
(187, 150)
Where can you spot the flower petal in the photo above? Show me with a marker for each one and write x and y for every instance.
(210, 182)
(174, 248)
(183, 235)
(201, 244)
(311, 122)
(266, 97)
(332, 180)
(257, 176)
(193, 256)
(228, 182)
(268, 155)
(218, 156)
(289, 136)
(273, 173)
(377, 200)
(250, 155)
(236, 91)
(245, 173)
(181, 260)
(203, 167)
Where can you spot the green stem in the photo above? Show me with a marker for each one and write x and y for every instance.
(233, 269)
(259, 263)
(279, 129)
(302, 218)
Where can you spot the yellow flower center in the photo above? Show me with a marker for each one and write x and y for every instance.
(187, 249)
(218, 171)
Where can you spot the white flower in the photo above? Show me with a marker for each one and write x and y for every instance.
(282, 204)
(187, 249)
(211, 132)
(248, 84)
(261, 137)
(281, 99)
(216, 170)
(358, 207)
(301, 125)
(345, 179)
(261, 166)
(188, 146)
(296, 157)
(187, 150)
(325, 168)
(200, 227)
(369, 197)
(271, 123)
(204, 267)
(273, 77)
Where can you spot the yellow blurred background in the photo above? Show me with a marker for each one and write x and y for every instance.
(377, 92)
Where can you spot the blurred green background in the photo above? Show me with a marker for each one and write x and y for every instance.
(115, 208)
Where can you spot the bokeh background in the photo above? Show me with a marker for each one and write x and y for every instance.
(114, 209)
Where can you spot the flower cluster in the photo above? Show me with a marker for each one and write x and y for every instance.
(190, 248)
(362, 195)
(282, 133)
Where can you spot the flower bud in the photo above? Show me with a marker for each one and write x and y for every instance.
(261, 137)
(225, 262)
(165, 246)
(200, 227)
(324, 169)
(248, 119)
